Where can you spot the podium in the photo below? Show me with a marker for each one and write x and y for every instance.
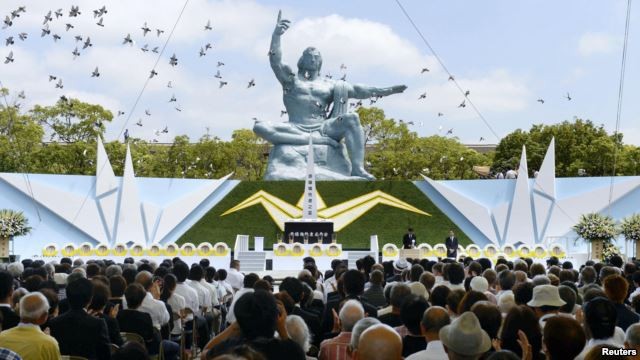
(312, 227)
(410, 253)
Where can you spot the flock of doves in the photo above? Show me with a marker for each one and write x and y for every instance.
(83, 43)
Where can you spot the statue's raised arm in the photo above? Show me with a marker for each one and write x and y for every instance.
(358, 91)
(283, 72)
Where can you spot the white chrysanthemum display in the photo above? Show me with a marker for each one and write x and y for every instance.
(596, 226)
(630, 227)
(13, 223)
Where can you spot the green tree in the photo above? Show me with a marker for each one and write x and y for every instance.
(579, 145)
(71, 120)
(249, 152)
(20, 141)
(397, 153)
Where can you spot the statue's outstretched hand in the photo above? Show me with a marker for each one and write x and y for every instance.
(282, 24)
(398, 89)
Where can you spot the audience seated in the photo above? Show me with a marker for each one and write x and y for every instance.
(360, 326)
(616, 287)
(411, 314)
(374, 295)
(433, 320)
(399, 292)
(464, 338)
(379, 342)
(258, 317)
(521, 319)
(600, 318)
(563, 338)
(26, 339)
(428, 310)
(336, 347)
(77, 332)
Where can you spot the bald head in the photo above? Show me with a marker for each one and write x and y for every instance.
(379, 342)
(351, 312)
(34, 308)
(434, 319)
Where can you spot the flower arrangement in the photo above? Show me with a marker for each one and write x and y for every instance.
(630, 227)
(389, 250)
(13, 223)
(594, 226)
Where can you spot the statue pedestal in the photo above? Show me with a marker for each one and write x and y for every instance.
(289, 162)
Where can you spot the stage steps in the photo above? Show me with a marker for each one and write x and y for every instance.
(252, 261)
(355, 255)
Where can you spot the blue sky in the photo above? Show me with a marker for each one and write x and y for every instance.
(507, 53)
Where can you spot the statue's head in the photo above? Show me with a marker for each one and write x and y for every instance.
(311, 60)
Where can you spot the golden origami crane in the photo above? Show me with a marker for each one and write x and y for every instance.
(341, 214)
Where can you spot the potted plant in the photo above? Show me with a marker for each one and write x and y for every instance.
(12, 223)
(630, 229)
(596, 229)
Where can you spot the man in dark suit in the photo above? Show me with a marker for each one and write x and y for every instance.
(9, 317)
(451, 242)
(77, 332)
(133, 321)
(295, 289)
(409, 239)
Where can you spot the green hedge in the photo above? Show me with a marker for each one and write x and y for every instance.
(387, 222)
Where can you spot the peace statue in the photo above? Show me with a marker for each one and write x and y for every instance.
(307, 98)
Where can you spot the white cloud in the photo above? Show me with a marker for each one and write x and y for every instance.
(597, 43)
(362, 45)
(374, 53)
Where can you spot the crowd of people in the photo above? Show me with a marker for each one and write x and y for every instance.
(412, 309)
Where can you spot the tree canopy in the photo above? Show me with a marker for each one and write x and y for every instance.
(579, 145)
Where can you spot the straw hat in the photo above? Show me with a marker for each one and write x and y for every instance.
(464, 336)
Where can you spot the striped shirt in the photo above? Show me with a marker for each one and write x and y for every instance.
(336, 348)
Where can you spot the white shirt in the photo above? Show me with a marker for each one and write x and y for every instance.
(434, 351)
(190, 298)
(635, 293)
(385, 310)
(235, 279)
(155, 308)
(204, 297)
(177, 304)
(231, 317)
(330, 285)
(221, 290)
(213, 292)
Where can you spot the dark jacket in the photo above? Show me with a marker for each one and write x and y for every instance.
(9, 318)
(374, 295)
(452, 247)
(81, 334)
(626, 317)
(138, 322)
(408, 239)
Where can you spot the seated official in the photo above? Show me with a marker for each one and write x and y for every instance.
(77, 332)
(26, 339)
